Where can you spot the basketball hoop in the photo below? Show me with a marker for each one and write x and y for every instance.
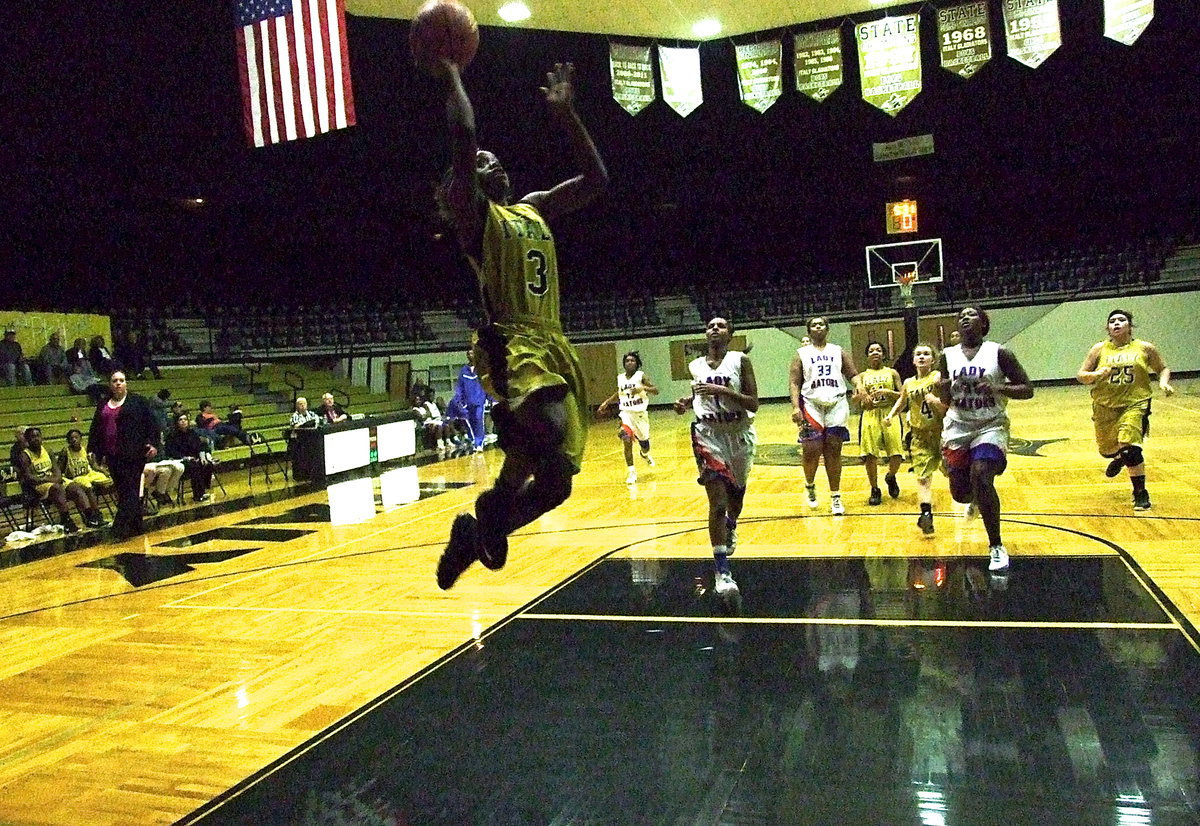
(906, 282)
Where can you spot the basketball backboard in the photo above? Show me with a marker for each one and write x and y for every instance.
(886, 263)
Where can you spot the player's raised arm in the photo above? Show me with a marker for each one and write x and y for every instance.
(592, 177)
(461, 196)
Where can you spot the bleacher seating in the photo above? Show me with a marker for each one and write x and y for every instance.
(265, 410)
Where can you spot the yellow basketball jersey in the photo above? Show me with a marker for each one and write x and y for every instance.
(1129, 381)
(41, 465)
(880, 379)
(518, 275)
(77, 463)
(920, 415)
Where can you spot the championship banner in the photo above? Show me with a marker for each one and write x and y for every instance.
(760, 73)
(889, 61)
(964, 38)
(1125, 20)
(1031, 29)
(680, 69)
(632, 76)
(903, 148)
(819, 63)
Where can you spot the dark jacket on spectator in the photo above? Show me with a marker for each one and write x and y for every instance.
(185, 444)
(136, 428)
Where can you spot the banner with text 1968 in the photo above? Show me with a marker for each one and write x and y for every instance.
(760, 73)
(889, 61)
(1125, 20)
(632, 76)
(680, 69)
(964, 38)
(1032, 30)
(819, 63)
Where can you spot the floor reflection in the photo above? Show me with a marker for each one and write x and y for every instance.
(799, 703)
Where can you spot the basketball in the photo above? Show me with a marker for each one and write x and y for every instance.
(443, 29)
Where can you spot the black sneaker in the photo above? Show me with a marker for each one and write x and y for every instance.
(876, 497)
(925, 523)
(1141, 500)
(461, 551)
(69, 525)
(1114, 467)
(892, 485)
(493, 543)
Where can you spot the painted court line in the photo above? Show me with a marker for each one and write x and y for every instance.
(1154, 626)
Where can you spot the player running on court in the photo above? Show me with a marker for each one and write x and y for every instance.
(634, 389)
(818, 377)
(724, 399)
(878, 433)
(1118, 370)
(977, 378)
(924, 411)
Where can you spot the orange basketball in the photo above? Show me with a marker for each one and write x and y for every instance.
(443, 29)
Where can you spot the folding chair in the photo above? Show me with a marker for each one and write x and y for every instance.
(28, 500)
(216, 480)
(257, 441)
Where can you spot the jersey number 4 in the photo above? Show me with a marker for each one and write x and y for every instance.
(535, 281)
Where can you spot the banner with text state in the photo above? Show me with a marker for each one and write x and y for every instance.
(1125, 20)
(632, 76)
(1032, 30)
(889, 61)
(760, 73)
(819, 63)
(964, 38)
(680, 68)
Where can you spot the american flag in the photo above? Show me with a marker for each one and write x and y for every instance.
(294, 68)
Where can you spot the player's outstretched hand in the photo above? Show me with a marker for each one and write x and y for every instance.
(560, 87)
(681, 405)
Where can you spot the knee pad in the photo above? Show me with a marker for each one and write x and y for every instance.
(645, 444)
(1131, 455)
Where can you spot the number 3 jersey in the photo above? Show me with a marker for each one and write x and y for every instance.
(518, 276)
(821, 371)
(1129, 381)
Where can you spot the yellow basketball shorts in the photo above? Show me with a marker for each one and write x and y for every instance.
(1120, 425)
(876, 439)
(926, 457)
(517, 360)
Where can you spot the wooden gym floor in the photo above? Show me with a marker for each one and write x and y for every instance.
(289, 659)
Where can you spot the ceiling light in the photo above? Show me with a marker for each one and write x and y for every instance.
(514, 12)
(706, 28)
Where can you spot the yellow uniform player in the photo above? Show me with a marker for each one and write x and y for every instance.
(524, 360)
(924, 410)
(1118, 370)
(878, 435)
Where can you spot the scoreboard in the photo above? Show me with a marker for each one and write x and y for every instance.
(901, 217)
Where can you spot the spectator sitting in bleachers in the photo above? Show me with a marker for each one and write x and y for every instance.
(83, 380)
(161, 407)
(185, 445)
(136, 356)
(39, 475)
(12, 360)
(208, 422)
(76, 466)
(52, 365)
(101, 358)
